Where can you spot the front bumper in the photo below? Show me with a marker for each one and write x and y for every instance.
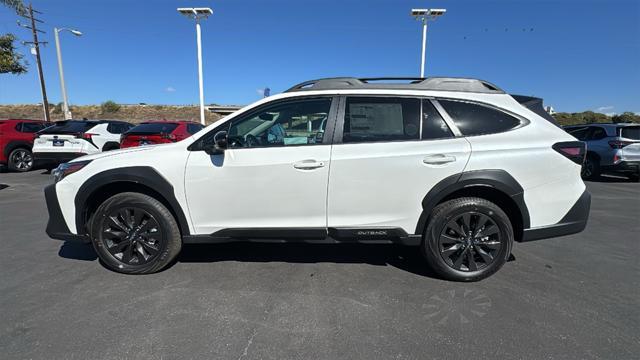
(49, 159)
(57, 227)
(573, 222)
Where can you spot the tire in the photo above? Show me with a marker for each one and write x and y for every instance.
(134, 233)
(479, 256)
(590, 168)
(20, 160)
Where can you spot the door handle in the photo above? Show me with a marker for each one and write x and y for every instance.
(308, 164)
(438, 159)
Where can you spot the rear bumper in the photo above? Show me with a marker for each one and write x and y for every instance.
(573, 222)
(623, 166)
(56, 226)
(41, 159)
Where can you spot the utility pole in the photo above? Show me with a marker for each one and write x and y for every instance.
(36, 45)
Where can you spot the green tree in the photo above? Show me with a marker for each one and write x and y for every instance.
(109, 107)
(10, 60)
(626, 117)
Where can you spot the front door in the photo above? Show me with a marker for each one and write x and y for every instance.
(273, 176)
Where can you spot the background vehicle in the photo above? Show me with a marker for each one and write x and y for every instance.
(69, 139)
(455, 167)
(16, 141)
(159, 132)
(611, 148)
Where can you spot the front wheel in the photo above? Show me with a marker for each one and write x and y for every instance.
(20, 160)
(467, 239)
(134, 233)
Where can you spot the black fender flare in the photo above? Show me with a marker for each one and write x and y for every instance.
(110, 145)
(143, 175)
(496, 179)
(14, 144)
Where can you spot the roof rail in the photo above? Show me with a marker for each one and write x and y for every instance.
(400, 83)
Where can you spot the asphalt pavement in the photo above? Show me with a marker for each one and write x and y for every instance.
(575, 297)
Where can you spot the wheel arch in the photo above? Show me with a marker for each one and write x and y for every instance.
(110, 145)
(497, 186)
(16, 144)
(140, 179)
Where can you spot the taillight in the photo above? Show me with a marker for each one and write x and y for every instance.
(619, 144)
(572, 150)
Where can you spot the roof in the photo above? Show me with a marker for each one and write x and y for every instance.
(400, 83)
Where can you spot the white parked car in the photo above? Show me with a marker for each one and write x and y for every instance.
(69, 139)
(455, 167)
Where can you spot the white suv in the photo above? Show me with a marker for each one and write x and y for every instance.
(69, 139)
(454, 166)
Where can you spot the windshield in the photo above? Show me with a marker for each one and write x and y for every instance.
(153, 128)
(68, 127)
(630, 132)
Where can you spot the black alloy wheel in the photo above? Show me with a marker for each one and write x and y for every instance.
(132, 235)
(470, 242)
(20, 160)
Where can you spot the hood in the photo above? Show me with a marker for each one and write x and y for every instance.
(118, 152)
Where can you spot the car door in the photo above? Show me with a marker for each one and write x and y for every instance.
(271, 181)
(388, 153)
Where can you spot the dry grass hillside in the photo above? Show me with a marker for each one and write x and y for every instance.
(131, 113)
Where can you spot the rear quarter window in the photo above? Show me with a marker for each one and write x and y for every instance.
(475, 119)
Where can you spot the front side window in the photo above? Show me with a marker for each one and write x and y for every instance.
(476, 119)
(300, 122)
(370, 119)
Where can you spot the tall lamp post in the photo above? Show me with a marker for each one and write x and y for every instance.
(198, 14)
(65, 101)
(425, 15)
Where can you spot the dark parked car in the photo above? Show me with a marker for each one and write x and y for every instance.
(611, 148)
(16, 143)
(159, 132)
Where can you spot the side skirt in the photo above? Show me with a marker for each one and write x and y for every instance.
(379, 235)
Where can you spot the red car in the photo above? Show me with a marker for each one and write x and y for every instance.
(16, 141)
(158, 132)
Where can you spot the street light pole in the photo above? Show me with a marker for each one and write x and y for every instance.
(425, 15)
(200, 80)
(197, 14)
(65, 102)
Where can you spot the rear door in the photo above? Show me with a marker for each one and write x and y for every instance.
(388, 153)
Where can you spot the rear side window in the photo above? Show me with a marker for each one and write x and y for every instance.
(31, 127)
(597, 133)
(194, 128)
(117, 128)
(630, 132)
(69, 127)
(433, 126)
(153, 128)
(475, 119)
(369, 119)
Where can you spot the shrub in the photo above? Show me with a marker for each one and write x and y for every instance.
(109, 107)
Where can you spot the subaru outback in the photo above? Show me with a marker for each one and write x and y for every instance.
(455, 167)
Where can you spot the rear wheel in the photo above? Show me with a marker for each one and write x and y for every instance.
(467, 239)
(20, 160)
(590, 168)
(134, 233)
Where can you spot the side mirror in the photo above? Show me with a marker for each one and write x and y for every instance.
(219, 144)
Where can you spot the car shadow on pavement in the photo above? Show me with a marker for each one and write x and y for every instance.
(3, 186)
(77, 251)
(405, 258)
(611, 179)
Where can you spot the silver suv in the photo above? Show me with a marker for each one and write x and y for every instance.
(611, 148)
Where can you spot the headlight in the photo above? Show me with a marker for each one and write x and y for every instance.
(69, 168)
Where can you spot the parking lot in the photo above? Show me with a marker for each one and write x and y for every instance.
(575, 297)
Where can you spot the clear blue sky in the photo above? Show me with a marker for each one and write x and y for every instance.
(577, 55)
